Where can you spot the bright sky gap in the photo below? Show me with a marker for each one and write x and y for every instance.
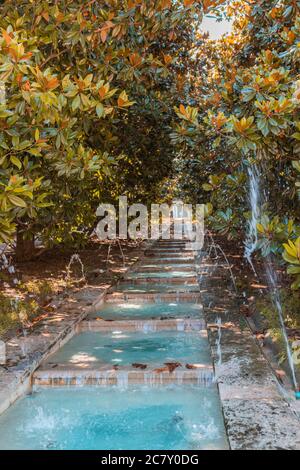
(215, 28)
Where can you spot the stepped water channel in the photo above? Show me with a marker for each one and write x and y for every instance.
(136, 375)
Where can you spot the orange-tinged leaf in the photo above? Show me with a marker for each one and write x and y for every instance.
(26, 86)
(165, 4)
(103, 35)
(269, 56)
(207, 4)
(45, 15)
(103, 90)
(135, 59)
(182, 109)
(26, 56)
(132, 4)
(19, 78)
(123, 100)
(219, 120)
(6, 37)
(52, 83)
(13, 53)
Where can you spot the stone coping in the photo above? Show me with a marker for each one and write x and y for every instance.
(170, 254)
(105, 375)
(257, 415)
(163, 269)
(117, 297)
(25, 354)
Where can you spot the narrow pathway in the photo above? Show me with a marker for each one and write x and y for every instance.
(161, 297)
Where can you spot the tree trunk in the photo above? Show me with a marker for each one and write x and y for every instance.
(25, 245)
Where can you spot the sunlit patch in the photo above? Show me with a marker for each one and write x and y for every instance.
(82, 357)
(259, 286)
(199, 366)
(198, 306)
(118, 351)
(203, 333)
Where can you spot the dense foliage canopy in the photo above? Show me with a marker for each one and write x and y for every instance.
(244, 110)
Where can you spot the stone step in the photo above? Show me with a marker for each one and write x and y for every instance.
(192, 279)
(178, 324)
(177, 249)
(65, 377)
(169, 254)
(172, 240)
(153, 268)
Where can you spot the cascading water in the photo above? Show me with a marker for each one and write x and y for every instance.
(254, 199)
(273, 282)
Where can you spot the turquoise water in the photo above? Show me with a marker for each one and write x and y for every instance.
(156, 288)
(167, 418)
(169, 254)
(125, 348)
(132, 311)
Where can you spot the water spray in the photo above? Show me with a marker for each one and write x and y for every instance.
(75, 258)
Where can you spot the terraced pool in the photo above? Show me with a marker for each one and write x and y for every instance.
(172, 418)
